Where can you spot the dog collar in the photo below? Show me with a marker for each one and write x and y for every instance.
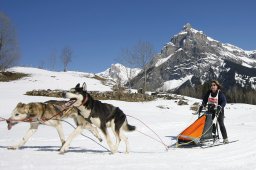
(84, 100)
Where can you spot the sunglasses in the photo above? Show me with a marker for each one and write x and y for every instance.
(213, 85)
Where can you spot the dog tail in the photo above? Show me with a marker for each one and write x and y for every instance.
(128, 127)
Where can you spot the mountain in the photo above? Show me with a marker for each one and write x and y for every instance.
(119, 72)
(192, 58)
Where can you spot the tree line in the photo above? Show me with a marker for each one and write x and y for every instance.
(234, 94)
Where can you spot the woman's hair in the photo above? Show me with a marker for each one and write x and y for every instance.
(217, 83)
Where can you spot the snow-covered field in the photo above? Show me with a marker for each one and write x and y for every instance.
(41, 150)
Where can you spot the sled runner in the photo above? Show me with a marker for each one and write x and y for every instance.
(218, 143)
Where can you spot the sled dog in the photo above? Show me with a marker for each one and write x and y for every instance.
(102, 115)
(49, 113)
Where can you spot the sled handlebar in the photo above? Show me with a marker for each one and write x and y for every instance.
(203, 109)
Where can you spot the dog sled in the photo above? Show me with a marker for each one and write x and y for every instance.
(202, 132)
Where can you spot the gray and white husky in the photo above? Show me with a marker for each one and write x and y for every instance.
(48, 113)
(102, 115)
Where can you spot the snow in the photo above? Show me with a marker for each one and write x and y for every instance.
(43, 79)
(118, 71)
(246, 61)
(162, 60)
(196, 31)
(173, 84)
(170, 43)
(185, 32)
(211, 39)
(180, 49)
(41, 153)
(232, 48)
(250, 52)
(246, 65)
(182, 33)
(241, 79)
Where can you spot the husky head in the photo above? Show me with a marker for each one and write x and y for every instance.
(20, 113)
(77, 95)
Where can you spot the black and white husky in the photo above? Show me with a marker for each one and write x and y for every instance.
(102, 115)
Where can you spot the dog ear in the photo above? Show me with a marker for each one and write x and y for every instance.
(27, 108)
(77, 86)
(84, 87)
(20, 104)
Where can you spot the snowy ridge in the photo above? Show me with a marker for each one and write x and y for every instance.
(44, 79)
(174, 84)
(162, 60)
(119, 72)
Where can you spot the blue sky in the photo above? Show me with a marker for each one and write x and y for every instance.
(97, 30)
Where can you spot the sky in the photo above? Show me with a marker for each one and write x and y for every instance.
(98, 30)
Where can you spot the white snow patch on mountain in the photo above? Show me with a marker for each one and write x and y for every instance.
(119, 72)
(250, 52)
(232, 48)
(173, 84)
(241, 79)
(162, 60)
(211, 39)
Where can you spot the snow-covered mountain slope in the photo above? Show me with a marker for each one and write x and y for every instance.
(119, 72)
(191, 53)
(41, 153)
(43, 79)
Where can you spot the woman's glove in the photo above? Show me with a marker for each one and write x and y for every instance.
(200, 109)
(218, 110)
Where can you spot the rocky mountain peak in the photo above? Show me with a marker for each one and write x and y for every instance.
(192, 57)
(187, 27)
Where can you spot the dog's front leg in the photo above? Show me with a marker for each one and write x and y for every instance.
(76, 132)
(61, 134)
(33, 128)
(93, 130)
(109, 141)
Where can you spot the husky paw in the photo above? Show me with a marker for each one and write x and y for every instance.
(13, 147)
(113, 151)
(62, 152)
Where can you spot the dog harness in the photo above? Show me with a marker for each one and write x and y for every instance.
(88, 119)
